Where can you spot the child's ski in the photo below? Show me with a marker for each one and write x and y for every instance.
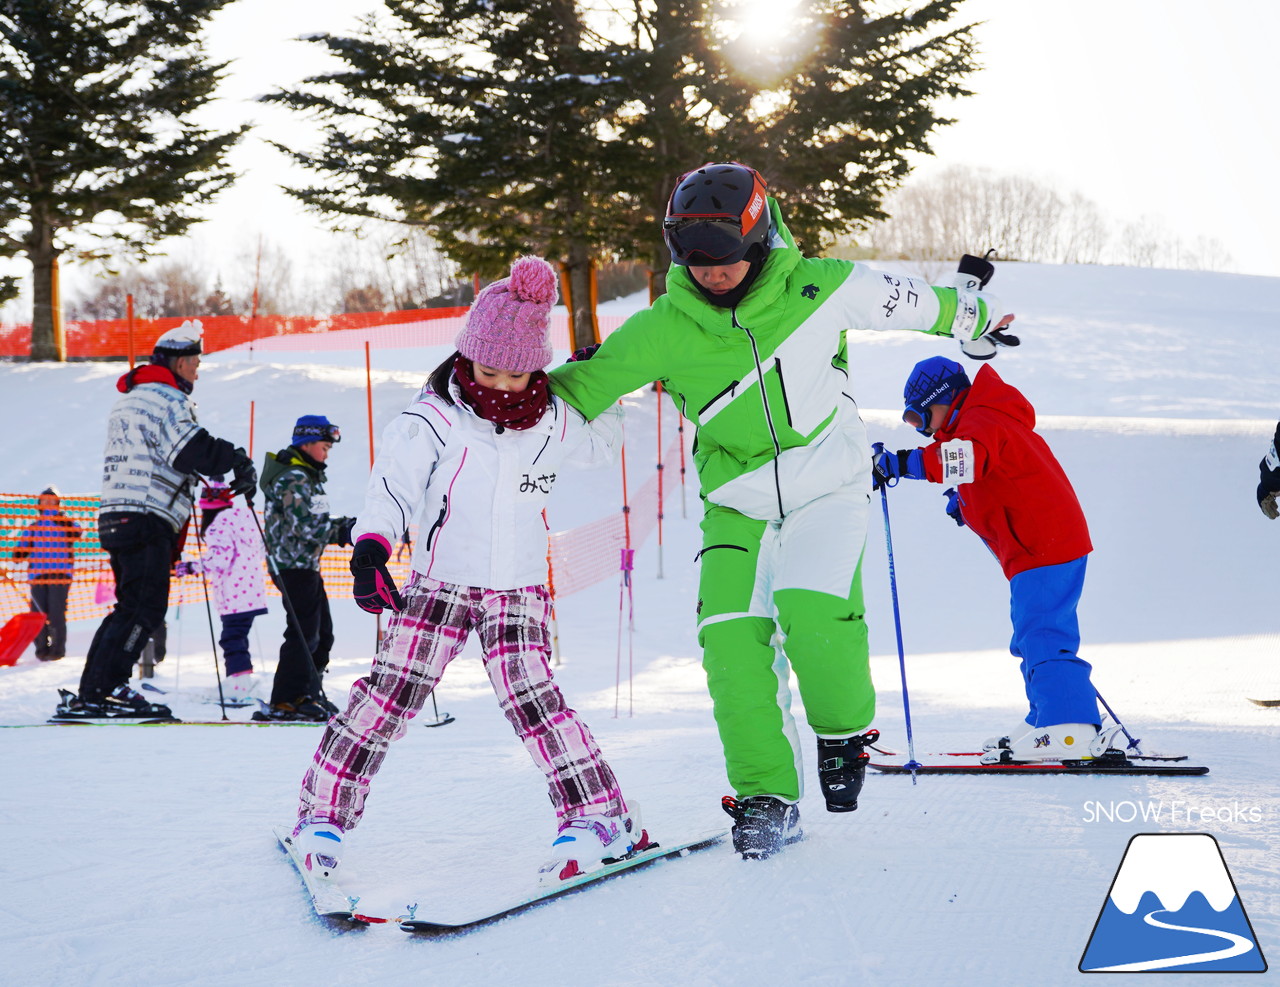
(452, 925)
(1265, 702)
(328, 899)
(1112, 763)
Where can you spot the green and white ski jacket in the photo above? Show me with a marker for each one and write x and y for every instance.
(766, 383)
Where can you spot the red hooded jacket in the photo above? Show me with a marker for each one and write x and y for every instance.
(1013, 492)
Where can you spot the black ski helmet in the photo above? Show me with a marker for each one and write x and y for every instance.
(718, 215)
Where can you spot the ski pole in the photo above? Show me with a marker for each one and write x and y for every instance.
(912, 764)
(288, 604)
(1133, 741)
(204, 582)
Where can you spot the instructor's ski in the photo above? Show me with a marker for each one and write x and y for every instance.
(452, 925)
(1265, 702)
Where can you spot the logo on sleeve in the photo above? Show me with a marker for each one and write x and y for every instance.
(810, 291)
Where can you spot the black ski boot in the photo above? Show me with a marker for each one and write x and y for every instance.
(123, 702)
(762, 825)
(304, 709)
(841, 766)
(71, 708)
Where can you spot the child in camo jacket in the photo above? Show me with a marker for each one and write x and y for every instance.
(298, 527)
(480, 446)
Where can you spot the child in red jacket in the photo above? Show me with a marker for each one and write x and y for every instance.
(1013, 494)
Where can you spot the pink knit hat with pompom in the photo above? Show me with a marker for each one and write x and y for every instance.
(507, 327)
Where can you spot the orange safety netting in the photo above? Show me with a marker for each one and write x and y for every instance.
(116, 339)
(582, 556)
(578, 557)
(92, 585)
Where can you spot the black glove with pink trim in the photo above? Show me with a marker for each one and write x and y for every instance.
(373, 586)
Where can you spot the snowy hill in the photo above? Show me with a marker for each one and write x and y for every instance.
(145, 854)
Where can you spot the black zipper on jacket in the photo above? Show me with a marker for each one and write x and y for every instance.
(727, 390)
(738, 548)
(444, 509)
(764, 401)
(782, 386)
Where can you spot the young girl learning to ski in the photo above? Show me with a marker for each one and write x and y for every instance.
(232, 565)
(480, 446)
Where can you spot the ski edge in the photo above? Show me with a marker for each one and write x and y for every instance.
(1044, 768)
(427, 927)
(1139, 758)
(136, 722)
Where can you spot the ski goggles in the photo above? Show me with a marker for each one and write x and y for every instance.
(705, 242)
(917, 416)
(316, 433)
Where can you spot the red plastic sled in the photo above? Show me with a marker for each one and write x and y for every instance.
(19, 632)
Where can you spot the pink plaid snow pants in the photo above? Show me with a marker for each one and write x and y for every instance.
(420, 642)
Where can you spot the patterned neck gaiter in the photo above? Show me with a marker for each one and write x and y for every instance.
(518, 411)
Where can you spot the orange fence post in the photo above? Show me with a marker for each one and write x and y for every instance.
(551, 591)
(128, 316)
(368, 391)
(624, 592)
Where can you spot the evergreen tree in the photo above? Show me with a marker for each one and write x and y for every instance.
(96, 101)
(559, 128)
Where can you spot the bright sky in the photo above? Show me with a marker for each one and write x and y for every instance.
(1152, 108)
(1147, 107)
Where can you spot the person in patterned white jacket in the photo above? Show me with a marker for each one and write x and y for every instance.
(155, 451)
(233, 566)
(481, 447)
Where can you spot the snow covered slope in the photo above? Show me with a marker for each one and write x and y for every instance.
(145, 854)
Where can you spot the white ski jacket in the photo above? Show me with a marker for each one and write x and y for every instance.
(147, 429)
(482, 487)
(233, 560)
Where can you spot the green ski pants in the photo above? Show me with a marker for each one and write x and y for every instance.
(801, 579)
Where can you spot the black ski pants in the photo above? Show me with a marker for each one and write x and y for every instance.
(141, 548)
(50, 598)
(304, 654)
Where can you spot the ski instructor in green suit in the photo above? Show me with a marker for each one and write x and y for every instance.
(750, 341)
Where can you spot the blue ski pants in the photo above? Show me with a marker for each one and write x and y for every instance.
(1046, 636)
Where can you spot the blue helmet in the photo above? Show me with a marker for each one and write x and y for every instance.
(936, 380)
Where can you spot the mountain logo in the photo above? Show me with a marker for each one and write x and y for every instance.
(1172, 908)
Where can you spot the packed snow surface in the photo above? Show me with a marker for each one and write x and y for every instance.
(146, 855)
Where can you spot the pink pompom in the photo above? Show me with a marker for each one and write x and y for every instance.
(533, 280)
